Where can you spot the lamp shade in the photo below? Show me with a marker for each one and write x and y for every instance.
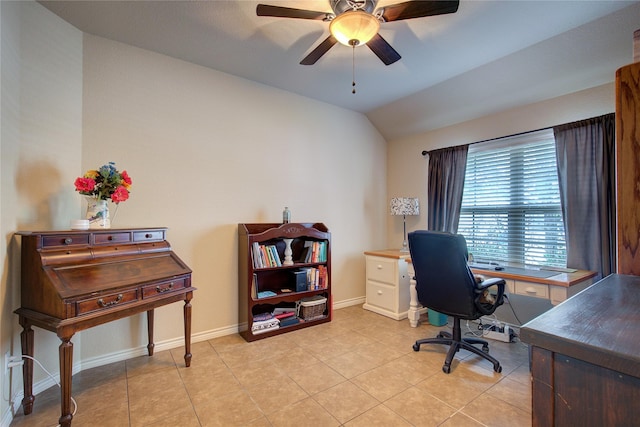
(405, 206)
(354, 27)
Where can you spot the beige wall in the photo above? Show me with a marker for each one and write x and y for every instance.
(407, 167)
(206, 151)
(41, 146)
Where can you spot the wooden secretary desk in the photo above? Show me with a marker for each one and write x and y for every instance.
(74, 280)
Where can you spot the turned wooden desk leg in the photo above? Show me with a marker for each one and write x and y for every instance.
(26, 338)
(66, 367)
(187, 329)
(150, 320)
(414, 306)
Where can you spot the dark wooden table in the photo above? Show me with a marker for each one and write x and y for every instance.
(74, 280)
(585, 357)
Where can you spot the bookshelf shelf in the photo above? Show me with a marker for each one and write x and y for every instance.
(283, 268)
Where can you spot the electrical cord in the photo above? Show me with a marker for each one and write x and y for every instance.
(75, 404)
(512, 310)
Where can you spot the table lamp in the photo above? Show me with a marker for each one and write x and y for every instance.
(405, 206)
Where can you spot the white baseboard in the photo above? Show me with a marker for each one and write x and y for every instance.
(348, 303)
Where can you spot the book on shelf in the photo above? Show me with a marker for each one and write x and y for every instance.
(261, 317)
(256, 256)
(289, 321)
(264, 322)
(284, 315)
(314, 251)
(265, 256)
(275, 256)
(323, 277)
(316, 277)
(279, 310)
(254, 286)
(265, 328)
(266, 294)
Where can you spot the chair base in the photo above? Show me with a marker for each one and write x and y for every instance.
(456, 343)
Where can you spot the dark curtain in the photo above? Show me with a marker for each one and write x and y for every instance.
(585, 153)
(446, 183)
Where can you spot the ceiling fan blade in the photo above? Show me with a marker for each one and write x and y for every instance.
(383, 50)
(320, 50)
(418, 9)
(288, 12)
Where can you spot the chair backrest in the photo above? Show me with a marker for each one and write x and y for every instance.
(443, 279)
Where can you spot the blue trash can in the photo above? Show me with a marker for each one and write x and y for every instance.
(436, 319)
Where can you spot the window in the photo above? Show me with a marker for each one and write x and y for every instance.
(511, 209)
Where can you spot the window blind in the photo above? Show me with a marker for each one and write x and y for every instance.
(511, 209)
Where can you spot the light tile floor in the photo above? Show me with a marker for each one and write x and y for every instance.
(358, 370)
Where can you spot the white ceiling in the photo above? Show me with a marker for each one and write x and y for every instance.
(484, 58)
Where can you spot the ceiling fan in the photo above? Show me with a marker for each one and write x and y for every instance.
(354, 23)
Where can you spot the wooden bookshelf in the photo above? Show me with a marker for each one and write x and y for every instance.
(298, 280)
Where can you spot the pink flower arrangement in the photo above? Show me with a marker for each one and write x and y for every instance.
(105, 183)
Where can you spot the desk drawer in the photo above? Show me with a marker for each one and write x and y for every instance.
(106, 302)
(532, 289)
(65, 240)
(380, 295)
(111, 238)
(382, 270)
(162, 288)
(148, 235)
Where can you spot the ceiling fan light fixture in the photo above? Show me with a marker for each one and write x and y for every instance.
(354, 27)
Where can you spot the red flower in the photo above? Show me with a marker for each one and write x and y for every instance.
(85, 185)
(126, 178)
(120, 195)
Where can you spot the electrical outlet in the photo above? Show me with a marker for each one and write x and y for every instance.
(11, 361)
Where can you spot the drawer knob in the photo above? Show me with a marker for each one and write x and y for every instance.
(101, 302)
(530, 290)
(379, 292)
(379, 267)
(148, 235)
(68, 241)
(167, 289)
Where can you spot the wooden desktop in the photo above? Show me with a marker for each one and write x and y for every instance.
(585, 359)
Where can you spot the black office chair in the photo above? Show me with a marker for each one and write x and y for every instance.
(446, 284)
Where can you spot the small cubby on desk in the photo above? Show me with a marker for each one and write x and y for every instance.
(271, 257)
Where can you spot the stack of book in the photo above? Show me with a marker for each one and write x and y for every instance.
(265, 256)
(314, 252)
(264, 322)
(287, 316)
(317, 277)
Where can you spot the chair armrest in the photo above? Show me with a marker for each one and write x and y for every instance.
(482, 287)
(491, 282)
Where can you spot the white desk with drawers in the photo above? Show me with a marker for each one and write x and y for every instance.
(555, 288)
(387, 283)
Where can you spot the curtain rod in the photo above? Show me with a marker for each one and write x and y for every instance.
(425, 152)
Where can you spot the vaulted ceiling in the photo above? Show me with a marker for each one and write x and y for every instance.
(487, 57)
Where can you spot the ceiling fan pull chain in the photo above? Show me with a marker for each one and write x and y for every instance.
(353, 69)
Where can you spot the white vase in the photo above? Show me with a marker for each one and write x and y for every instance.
(288, 260)
(98, 214)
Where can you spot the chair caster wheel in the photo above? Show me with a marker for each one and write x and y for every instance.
(416, 347)
(446, 369)
(498, 368)
(485, 348)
